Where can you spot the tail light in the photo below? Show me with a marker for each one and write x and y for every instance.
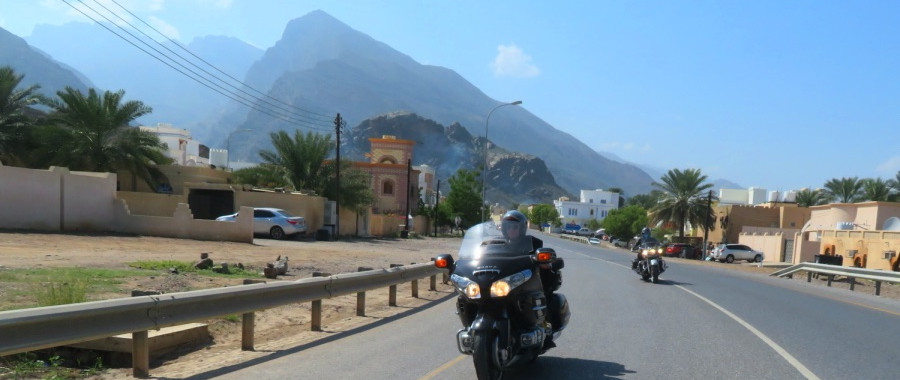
(292, 221)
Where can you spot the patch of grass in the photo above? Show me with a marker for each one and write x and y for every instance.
(61, 293)
(24, 288)
(234, 318)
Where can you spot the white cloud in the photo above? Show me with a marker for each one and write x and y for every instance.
(889, 167)
(513, 62)
(163, 27)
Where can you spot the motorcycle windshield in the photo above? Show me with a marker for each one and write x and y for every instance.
(486, 240)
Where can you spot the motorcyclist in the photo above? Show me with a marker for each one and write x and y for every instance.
(514, 225)
(645, 234)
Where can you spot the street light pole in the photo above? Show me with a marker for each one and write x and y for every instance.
(484, 170)
(228, 147)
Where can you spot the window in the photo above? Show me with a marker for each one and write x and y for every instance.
(387, 187)
(603, 201)
(262, 214)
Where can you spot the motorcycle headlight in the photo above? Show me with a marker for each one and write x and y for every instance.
(645, 252)
(502, 287)
(659, 251)
(466, 286)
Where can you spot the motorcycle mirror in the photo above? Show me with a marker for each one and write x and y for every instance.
(545, 255)
(444, 261)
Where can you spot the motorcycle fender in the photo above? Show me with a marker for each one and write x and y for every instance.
(653, 262)
(486, 322)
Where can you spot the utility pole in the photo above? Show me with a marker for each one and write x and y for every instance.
(408, 191)
(337, 164)
(437, 201)
(706, 227)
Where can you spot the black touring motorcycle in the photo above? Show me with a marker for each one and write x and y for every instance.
(509, 315)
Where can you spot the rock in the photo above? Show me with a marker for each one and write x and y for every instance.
(205, 262)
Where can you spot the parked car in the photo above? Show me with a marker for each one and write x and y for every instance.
(728, 253)
(594, 241)
(682, 250)
(619, 243)
(274, 222)
(584, 232)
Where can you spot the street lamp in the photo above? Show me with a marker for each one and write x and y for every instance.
(228, 147)
(484, 170)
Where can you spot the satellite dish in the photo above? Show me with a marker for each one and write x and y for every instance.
(892, 224)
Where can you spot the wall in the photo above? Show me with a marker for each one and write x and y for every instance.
(151, 204)
(770, 241)
(31, 199)
(869, 246)
(58, 200)
(310, 207)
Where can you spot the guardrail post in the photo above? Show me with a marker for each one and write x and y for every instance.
(415, 286)
(830, 278)
(392, 291)
(808, 276)
(140, 354)
(446, 278)
(315, 323)
(432, 282)
(877, 288)
(852, 283)
(361, 297)
(248, 322)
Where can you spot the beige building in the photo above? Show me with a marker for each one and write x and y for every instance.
(866, 234)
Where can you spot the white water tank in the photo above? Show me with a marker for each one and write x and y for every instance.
(774, 196)
(844, 226)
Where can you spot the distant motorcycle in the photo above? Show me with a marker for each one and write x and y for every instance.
(506, 314)
(650, 264)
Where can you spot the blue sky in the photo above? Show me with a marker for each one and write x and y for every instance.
(774, 94)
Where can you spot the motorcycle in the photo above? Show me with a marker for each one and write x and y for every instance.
(506, 316)
(650, 264)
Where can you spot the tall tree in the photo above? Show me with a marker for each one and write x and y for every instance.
(684, 201)
(895, 188)
(302, 160)
(302, 157)
(91, 133)
(544, 213)
(808, 198)
(646, 201)
(844, 190)
(465, 196)
(14, 122)
(625, 222)
(876, 189)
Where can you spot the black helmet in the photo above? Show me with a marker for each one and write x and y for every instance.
(513, 219)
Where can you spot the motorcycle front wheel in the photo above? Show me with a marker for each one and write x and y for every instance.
(483, 357)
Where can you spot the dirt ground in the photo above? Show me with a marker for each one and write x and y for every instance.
(275, 329)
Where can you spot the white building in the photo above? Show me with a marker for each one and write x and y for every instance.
(754, 196)
(179, 145)
(594, 204)
(427, 191)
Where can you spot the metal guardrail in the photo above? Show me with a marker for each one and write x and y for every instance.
(43, 327)
(852, 273)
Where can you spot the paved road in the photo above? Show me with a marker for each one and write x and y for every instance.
(699, 322)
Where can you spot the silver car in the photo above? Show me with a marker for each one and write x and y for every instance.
(274, 222)
(727, 253)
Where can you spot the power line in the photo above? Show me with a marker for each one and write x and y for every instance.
(323, 118)
(226, 93)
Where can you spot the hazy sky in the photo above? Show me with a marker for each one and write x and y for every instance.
(773, 94)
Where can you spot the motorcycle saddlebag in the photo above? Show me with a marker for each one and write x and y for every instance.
(559, 311)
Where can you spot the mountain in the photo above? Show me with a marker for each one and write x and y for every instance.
(513, 177)
(159, 83)
(37, 66)
(323, 66)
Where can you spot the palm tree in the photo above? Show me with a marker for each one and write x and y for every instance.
(808, 198)
(302, 162)
(301, 157)
(844, 190)
(876, 189)
(13, 120)
(895, 188)
(92, 133)
(684, 200)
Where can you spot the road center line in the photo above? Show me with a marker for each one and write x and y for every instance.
(443, 368)
(781, 351)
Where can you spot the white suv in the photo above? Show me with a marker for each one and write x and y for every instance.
(727, 253)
